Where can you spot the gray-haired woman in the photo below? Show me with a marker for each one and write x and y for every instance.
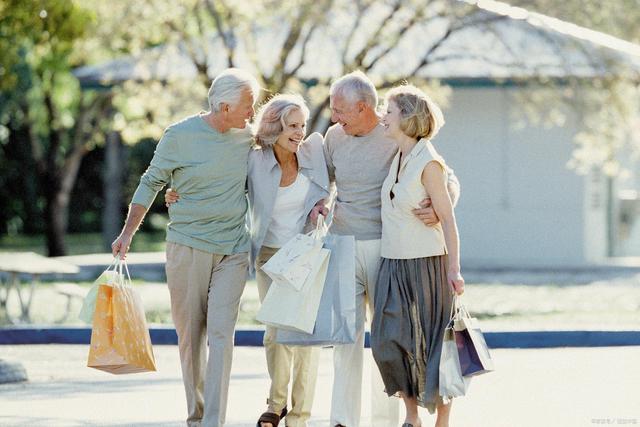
(287, 177)
(420, 268)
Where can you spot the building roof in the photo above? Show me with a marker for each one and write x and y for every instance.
(495, 41)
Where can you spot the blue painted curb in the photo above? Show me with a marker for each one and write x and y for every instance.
(253, 337)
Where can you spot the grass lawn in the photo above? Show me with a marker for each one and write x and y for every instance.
(81, 243)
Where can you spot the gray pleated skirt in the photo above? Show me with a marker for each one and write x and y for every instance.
(412, 308)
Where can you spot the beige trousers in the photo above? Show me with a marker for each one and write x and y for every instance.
(279, 363)
(348, 359)
(205, 292)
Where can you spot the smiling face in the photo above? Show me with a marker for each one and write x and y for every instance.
(293, 131)
(238, 114)
(347, 114)
(391, 120)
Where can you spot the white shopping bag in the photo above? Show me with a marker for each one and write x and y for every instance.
(287, 308)
(452, 382)
(293, 262)
(108, 277)
(336, 319)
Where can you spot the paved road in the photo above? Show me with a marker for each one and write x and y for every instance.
(531, 388)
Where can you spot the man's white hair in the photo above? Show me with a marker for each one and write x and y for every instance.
(355, 87)
(228, 86)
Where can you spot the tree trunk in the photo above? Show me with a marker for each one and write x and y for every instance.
(54, 216)
(112, 189)
(58, 184)
(316, 123)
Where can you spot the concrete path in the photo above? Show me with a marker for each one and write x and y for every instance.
(531, 388)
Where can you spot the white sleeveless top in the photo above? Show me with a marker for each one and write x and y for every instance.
(287, 218)
(404, 236)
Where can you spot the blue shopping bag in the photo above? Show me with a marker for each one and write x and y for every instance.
(336, 320)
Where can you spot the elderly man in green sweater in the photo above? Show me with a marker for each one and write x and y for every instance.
(205, 155)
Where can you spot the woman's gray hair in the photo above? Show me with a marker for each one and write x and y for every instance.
(228, 86)
(271, 118)
(355, 87)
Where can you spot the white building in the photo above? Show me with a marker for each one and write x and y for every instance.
(520, 205)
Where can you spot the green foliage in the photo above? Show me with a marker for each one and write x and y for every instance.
(42, 33)
(47, 121)
(619, 18)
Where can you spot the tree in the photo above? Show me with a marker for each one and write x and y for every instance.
(62, 123)
(48, 111)
(608, 106)
(365, 34)
(237, 32)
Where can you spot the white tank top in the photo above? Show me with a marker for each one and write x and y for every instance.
(404, 236)
(287, 218)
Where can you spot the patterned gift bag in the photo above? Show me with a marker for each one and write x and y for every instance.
(294, 262)
(120, 341)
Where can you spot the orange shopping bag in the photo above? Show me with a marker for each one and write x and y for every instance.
(120, 342)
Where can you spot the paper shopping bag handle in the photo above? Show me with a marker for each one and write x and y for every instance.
(457, 308)
(120, 264)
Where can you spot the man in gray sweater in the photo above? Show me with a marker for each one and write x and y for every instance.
(358, 156)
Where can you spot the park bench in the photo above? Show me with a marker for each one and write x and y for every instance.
(17, 265)
(72, 292)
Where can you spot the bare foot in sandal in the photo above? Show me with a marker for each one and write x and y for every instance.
(271, 419)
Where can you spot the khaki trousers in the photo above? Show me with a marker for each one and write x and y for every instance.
(280, 359)
(348, 359)
(205, 292)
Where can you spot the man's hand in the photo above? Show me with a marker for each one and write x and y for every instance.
(318, 209)
(121, 245)
(426, 213)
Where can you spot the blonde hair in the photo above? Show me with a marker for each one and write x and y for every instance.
(420, 116)
(270, 120)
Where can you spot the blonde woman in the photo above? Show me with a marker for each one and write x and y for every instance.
(287, 176)
(420, 268)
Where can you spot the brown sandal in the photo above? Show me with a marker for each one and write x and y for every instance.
(271, 418)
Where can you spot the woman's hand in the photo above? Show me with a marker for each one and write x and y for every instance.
(171, 196)
(318, 209)
(456, 280)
